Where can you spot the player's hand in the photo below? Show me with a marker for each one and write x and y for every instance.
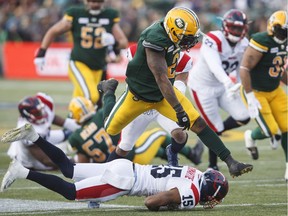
(70, 124)
(39, 63)
(39, 60)
(232, 90)
(107, 39)
(253, 105)
(183, 118)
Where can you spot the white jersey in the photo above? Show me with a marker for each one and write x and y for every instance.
(20, 149)
(216, 61)
(123, 177)
(206, 79)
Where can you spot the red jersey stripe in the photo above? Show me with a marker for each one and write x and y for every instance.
(216, 39)
(196, 194)
(46, 102)
(202, 111)
(97, 191)
(183, 62)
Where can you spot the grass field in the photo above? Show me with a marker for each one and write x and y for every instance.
(261, 192)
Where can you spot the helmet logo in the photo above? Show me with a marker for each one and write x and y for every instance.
(179, 23)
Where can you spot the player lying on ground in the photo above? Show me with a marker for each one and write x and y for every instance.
(175, 187)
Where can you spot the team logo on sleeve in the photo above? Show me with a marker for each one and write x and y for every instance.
(179, 23)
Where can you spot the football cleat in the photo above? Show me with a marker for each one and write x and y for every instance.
(15, 171)
(26, 132)
(107, 85)
(196, 153)
(236, 168)
(171, 156)
(251, 145)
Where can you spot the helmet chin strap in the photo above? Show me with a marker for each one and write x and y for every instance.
(278, 40)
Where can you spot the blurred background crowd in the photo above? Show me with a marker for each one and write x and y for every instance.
(28, 20)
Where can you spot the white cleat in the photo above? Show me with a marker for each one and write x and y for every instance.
(251, 145)
(15, 171)
(26, 132)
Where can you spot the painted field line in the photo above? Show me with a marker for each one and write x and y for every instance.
(14, 206)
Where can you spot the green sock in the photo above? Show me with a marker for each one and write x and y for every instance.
(213, 142)
(257, 134)
(185, 151)
(161, 153)
(284, 144)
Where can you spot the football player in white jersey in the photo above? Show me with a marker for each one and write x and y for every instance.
(180, 187)
(39, 111)
(134, 129)
(209, 82)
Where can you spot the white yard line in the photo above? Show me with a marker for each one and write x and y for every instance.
(17, 206)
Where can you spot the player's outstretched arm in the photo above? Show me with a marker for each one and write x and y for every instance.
(154, 202)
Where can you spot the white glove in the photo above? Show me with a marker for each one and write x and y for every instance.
(253, 105)
(107, 39)
(232, 89)
(39, 63)
(70, 124)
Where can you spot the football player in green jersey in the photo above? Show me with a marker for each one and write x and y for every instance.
(261, 71)
(150, 77)
(93, 144)
(93, 29)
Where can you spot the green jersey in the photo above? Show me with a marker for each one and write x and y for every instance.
(265, 76)
(92, 140)
(140, 79)
(86, 32)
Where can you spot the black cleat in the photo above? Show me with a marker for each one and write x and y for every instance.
(237, 168)
(107, 85)
(196, 153)
(171, 156)
(253, 152)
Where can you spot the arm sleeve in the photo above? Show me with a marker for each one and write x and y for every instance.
(109, 100)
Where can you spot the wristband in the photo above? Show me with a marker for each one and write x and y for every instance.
(41, 52)
(178, 108)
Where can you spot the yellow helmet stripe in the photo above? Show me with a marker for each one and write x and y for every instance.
(82, 105)
(192, 13)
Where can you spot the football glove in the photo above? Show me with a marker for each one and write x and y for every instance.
(39, 64)
(39, 60)
(107, 39)
(253, 105)
(232, 90)
(70, 124)
(183, 118)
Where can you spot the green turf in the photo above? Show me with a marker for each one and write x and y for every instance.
(262, 192)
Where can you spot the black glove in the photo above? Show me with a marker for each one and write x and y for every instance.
(183, 119)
